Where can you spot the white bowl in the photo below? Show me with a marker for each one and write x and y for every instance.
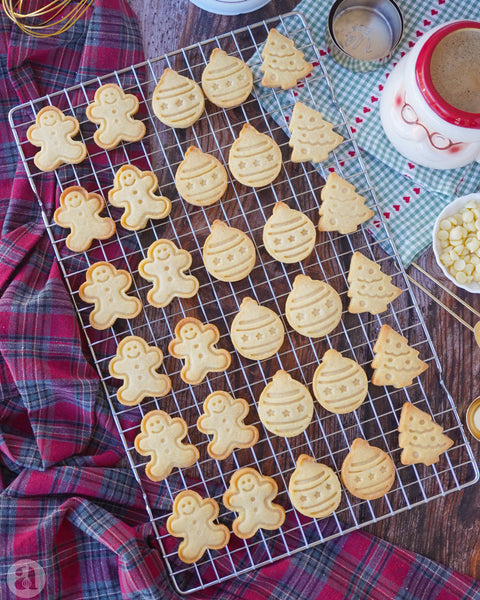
(450, 210)
(230, 7)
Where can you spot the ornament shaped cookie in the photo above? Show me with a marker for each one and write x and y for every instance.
(106, 288)
(226, 80)
(367, 471)
(370, 289)
(165, 266)
(53, 133)
(223, 418)
(313, 308)
(256, 331)
(112, 110)
(177, 100)
(312, 137)
(201, 179)
(342, 209)
(195, 343)
(288, 235)
(314, 488)
(283, 64)
(251, 495)
(255, 159)
(193, 519)
(285, 406)
(134, 191)
(136, 363)
(339, 383)
(395, 362)
(228, 253)
(421, 439)
(79, 211)
(161, 439)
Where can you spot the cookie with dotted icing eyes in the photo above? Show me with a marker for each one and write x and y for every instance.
(106, 288)
(196, 344)
(226, 80)
(228, 253)
(256, 331)
(223, 418)
(367, 471)
(134, 191)
(255, 159)
(79, 211)
(251, 495)
(283, 64)
(53, 133)
(165, 266)
(112, 110)
(178, 101)
(136, 363)
(161, 438)
(339, 383)
(288, 235)
(314, 488)
(285, 406)
(193, 519)
(201, 179)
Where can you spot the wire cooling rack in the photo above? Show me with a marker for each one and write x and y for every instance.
(329, 436)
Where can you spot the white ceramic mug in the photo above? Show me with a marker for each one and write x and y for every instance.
(418, 120)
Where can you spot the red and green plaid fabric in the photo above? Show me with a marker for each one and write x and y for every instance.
(68, 500)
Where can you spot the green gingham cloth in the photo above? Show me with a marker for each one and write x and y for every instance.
(409, 195)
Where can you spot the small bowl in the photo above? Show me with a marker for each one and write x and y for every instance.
(450, 210)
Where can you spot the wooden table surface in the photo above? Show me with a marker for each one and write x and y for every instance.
(448, 529)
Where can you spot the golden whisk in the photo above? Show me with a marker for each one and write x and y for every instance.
(51, 16)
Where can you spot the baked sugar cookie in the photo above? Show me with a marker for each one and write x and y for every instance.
(313, 307)
(177, 100)
(134, 191)
(367, 471)
(255, 159)
(226, 80)
(285, 406)
(339, 383)
(283, 64)
(256, 331)
(314, 488)
(228, 253)
(193, 519)
(201, 179)
(288, 235)
(112, 110)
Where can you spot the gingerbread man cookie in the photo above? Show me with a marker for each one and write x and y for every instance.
(165, 266)
(250, 495)
(80, 211)
(106, 287)
(161, 438)
(195, 343)
(112, 110)
(136, 363)
(223, 418)
(52, 133)
(134, 191)
(192, 519)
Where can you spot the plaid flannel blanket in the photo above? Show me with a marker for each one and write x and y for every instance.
(72, 521)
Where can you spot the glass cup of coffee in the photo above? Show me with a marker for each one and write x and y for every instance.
(430, 105)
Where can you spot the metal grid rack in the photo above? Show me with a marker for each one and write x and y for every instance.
(328, 436)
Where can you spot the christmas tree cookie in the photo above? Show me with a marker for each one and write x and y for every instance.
(342, 209)
(395, 362)
(370, 290)
(420, 437)
(283, 64)
(312, 137)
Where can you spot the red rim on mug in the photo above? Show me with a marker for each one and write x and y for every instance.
(446, 111)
